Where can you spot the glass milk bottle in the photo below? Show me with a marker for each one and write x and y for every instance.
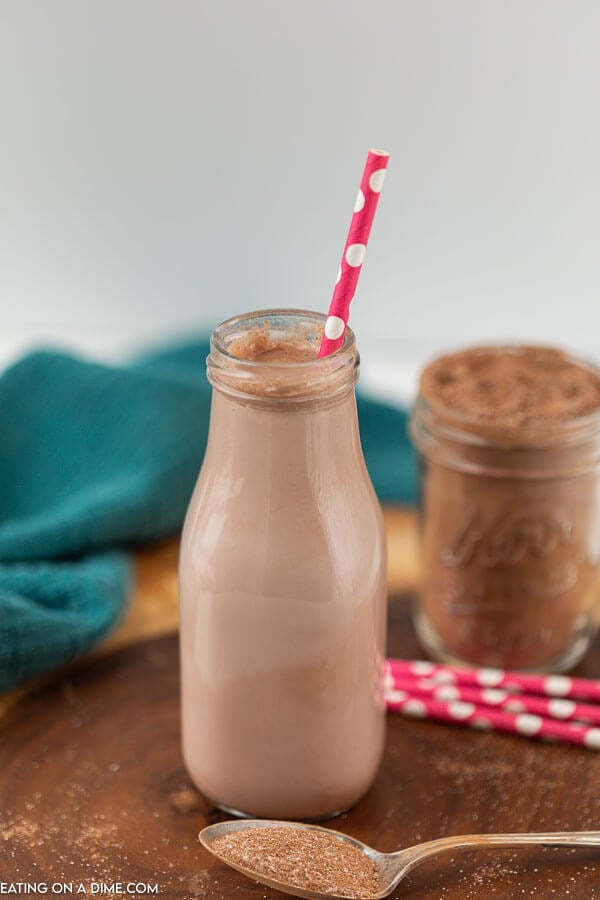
(282, 580)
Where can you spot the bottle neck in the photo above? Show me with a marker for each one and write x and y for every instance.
(279, 383)
(259, 442)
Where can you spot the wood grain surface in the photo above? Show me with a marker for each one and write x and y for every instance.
(93, 789)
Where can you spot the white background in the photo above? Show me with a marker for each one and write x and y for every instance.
(166, 164)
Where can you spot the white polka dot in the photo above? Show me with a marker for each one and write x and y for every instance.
(422, 667)
(339, 275)
(394, 696)
(388, 680)
(482, 724)
(447, 692)
(415, 708)
(528, 724)
(514, 705)
(557, 685)
(562, 709)
(355, 255)
(460, 710)
(444, 675)
(360, 201)
(334, 327)
(489, 677)
(376, 180)
(493, 695)
(591, 739)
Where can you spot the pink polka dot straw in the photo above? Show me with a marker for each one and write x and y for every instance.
(548, 685)
(354, 251)
(537, 706)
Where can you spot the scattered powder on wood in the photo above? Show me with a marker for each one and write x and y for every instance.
(309, 860)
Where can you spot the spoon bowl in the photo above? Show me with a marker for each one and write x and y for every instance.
(391, 867)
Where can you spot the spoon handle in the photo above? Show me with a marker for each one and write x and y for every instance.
(414, 856)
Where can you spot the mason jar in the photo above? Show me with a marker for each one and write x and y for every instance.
(282, 583)
(510, 509)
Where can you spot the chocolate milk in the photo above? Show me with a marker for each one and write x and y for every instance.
(510, 448)
(282, 581)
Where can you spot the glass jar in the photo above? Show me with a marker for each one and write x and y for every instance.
(510, 533)
(283, 585)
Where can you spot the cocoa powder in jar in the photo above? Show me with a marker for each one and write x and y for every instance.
(509, 441)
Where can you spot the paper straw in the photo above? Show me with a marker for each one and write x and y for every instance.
(558, 708)
(545, 685)
(489, 718)
(354, 251)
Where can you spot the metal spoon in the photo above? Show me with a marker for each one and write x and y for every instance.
(392, 867)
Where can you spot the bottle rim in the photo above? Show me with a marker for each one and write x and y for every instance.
(291, 383)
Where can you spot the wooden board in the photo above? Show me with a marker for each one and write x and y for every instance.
(92, 788)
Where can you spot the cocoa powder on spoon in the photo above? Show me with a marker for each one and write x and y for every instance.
(309, 860)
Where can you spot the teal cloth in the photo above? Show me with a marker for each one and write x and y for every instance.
(95, 459)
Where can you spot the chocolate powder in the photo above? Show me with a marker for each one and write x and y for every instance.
(303, 858)
(510, 449)
(512, 387)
